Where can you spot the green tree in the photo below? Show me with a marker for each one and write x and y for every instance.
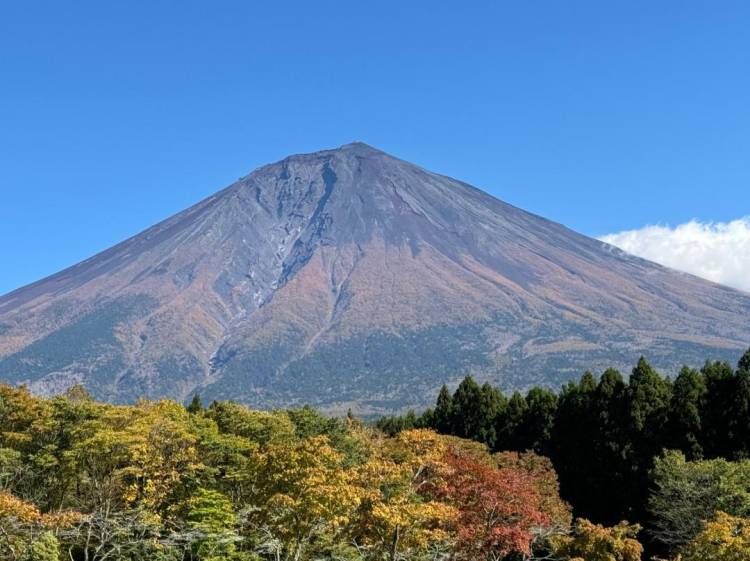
(611, 443)
(685, 426)
(687, 493)
(508, 422)
(491, 403)
(649, 396)
(739, 414)
(213, 522)
(46, 547)
(719, 438)
(228, 457)
(744, 363)
(443, 413)
(535, 431)
(196, 405)
(259, 426)
(468, 417)
(576, 434)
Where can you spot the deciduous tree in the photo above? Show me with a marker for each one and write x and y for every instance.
(725, 538)
(593, 542)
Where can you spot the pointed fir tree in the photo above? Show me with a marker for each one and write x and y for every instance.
(649, 399)
(509, 422)
(739, 415)
(684, 427)
(492, 403)
(196, 405)
(744, 363)
(443, 414)
(466, 409)
(718, 437)
(535, 431)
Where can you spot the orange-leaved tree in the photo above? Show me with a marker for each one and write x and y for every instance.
(544, 478)
(500, 509)
(26, 533)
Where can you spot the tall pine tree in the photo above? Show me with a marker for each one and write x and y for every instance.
(684, 427)
(509, 421)
(718, 432)
(442, 415)
(467, 422)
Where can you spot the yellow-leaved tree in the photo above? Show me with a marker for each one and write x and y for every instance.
(303, 494)
(725, 538)
(593, 542)
(142, 456)
(397, 518)
(162, 455)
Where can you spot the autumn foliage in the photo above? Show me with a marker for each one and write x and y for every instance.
(156, 481)
(724, 538)
(594, 542)
(498, 508)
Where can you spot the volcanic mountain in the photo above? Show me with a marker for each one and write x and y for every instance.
(350, 278)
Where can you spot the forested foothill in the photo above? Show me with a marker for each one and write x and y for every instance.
(604, 470)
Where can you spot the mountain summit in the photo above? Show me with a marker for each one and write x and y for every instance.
(350, 278)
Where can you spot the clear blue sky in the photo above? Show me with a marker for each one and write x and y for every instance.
(601, 115)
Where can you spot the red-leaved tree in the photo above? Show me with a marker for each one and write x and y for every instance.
(499, 508)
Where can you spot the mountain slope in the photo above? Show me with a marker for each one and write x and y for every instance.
(350, 278)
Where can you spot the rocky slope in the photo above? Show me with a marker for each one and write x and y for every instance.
(346, 278)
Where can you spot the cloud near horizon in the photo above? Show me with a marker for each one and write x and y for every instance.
(717, 251)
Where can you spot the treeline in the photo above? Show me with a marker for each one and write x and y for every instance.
(602, 434)
(157, 481)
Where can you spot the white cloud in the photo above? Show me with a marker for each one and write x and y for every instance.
(716, 251)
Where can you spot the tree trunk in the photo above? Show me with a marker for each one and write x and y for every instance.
(394, 545)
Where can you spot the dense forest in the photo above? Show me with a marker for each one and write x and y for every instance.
(648, 462)
(667, 454)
